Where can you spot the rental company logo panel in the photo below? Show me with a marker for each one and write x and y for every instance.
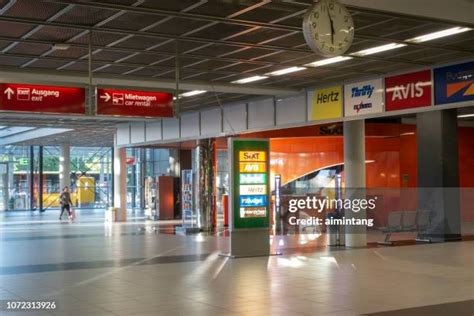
(39, 98)
(363, 98)
(134, 103)
(408, 91)
(325, 103)
(250, 187)
(454, 83)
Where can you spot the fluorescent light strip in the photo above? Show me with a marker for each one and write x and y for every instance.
(378, 49)
(249, 79)
(192, 93)
(439, 34)
(328, 61)
(285, 71)
(465, 115)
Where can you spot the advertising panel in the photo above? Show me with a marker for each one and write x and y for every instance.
(134, 103)
(408, 91)
(363, 98)
(38, 98)
(187, 206)
(325, 104)
(454, 83)
(249, 200)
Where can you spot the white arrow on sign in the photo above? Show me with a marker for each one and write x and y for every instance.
(9, 92)
(106, 97)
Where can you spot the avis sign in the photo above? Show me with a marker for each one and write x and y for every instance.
(407, 91)
(134, 103)
(364, 97)
(39, 98)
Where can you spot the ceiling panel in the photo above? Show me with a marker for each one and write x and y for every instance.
(241, 38)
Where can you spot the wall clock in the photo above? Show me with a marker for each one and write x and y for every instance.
(328, 28)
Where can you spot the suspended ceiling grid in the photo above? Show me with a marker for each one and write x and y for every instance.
(217, 41)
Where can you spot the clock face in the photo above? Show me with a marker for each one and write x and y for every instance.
(328, 28)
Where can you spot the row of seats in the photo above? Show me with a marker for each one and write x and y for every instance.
(406, 221)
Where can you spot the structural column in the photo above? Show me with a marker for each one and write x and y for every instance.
(120, 181)
(64, 166)
(438, 175)
(203, 185)
(354, 174)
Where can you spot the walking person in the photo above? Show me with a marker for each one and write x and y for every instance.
(65, 202)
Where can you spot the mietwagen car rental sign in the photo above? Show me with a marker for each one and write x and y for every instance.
(39, 98)
(134, 103)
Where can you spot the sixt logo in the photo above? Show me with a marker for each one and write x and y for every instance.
(361, 106)
(366, 90)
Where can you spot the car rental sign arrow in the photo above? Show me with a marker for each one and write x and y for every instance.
(106, 97)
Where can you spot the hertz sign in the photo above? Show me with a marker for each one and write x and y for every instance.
(250, 187)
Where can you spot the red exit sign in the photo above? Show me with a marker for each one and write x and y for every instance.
(39, 98)
(134, 103)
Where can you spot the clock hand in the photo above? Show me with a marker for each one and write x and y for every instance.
(332, 28)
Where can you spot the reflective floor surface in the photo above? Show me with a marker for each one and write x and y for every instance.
(92, 268)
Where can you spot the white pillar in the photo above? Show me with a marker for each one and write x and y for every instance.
(120, 181)
(354, 174)
(64, 166)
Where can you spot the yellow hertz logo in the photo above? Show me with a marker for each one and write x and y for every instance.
(247, 167)
(252, 156)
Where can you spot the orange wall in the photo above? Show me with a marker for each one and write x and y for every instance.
(392, 147)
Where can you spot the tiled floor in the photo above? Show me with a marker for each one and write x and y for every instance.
(89, 268)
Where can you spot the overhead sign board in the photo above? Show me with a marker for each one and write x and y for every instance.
(249, 202)
(363, 98)
(39, 98)
(408, 91)
(134, 103)
(454, 83)
(325, 104)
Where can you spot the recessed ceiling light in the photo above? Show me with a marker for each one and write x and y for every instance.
(328, 61)
(192, 93)
(61, 46)
(465, 115)
(285, 71)
(250, 79)
(439, 34)
(378, 49)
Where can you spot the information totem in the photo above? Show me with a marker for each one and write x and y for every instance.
(249, 202)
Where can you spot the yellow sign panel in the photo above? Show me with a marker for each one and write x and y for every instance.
(252, 156)
(246, 167)
(326, 104)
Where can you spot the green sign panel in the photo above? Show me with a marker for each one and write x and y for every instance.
(250, 190)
